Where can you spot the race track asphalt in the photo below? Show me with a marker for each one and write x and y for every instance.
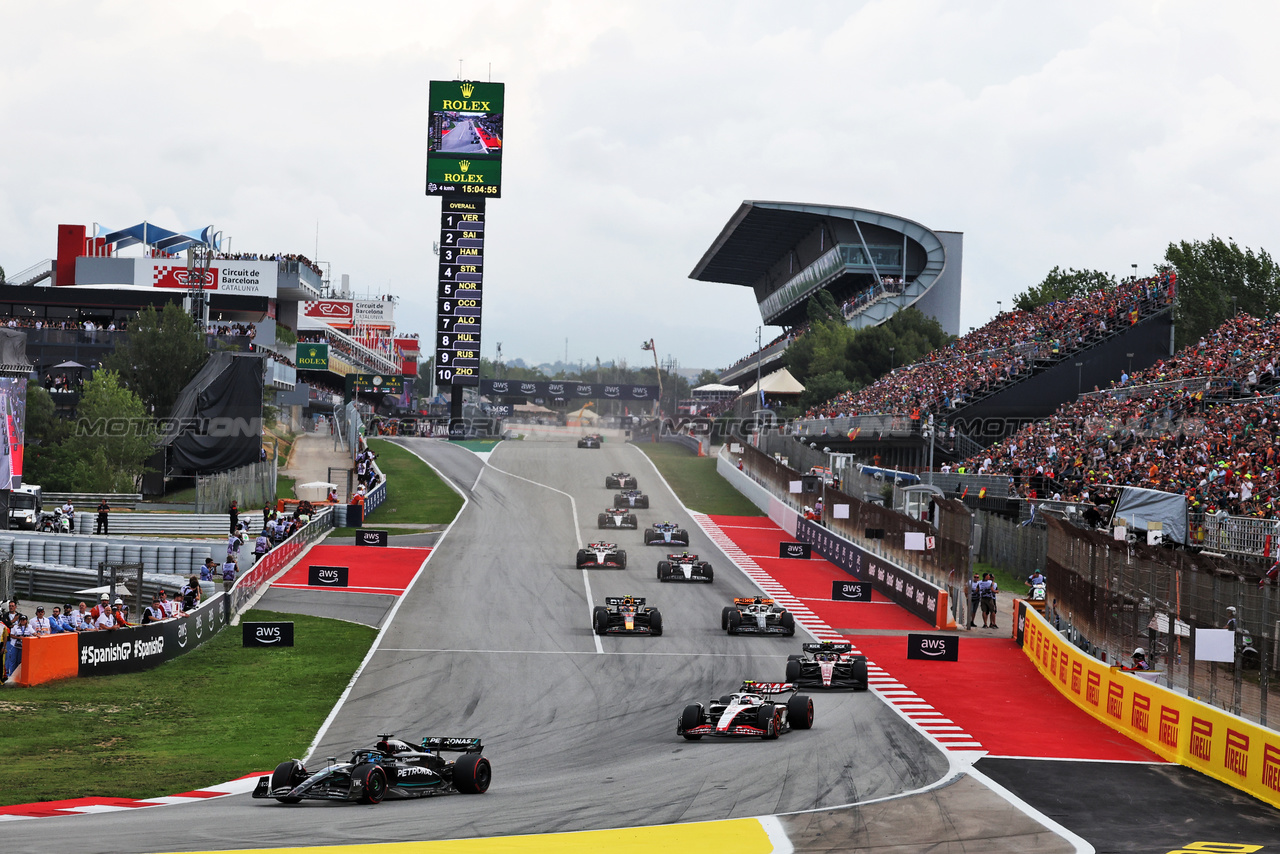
(494, 641)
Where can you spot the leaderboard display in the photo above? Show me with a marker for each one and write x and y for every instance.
(461, 292)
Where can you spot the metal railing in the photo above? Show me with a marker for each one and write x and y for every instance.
(246, 587)
(1238, 535)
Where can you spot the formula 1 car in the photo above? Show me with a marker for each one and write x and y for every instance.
(685, 567)
(602, 554)
(591, 440)
(756, 615)
(626, 615)
(617, 517)
(666, 534)
(828, 665)
(631, 498)
(748, 712)
(621, 480)
(390, 769)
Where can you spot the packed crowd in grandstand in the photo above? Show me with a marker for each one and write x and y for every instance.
(1202, 422)
(1002, 352)
(278, 256)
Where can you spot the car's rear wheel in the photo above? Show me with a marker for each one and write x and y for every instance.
(735, 619)
(793, 670)
(691, 717)
(858, 670)
(655, 622)
(800, 711)
(630, 521)
(601, 521)
(472, 774)
(788, 621)
(375, 782)
(600, 619)
(289, 774)
(711, 576)
(767, 720)
(724, 618)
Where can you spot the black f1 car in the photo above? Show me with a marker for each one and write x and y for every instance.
(748, 712)
(756, 615)
(621, 480)
(626, 615)
(685, 567)
(828, 665)
(617, 517)
(591, 440)
(631, 498)
(666, 534)
(602, 554)
(390, 769)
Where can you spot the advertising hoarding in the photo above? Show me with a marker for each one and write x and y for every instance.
(13, 425)
(225, 276)
(345, 313)
(464, 138)
(312, 357)
(568, 390)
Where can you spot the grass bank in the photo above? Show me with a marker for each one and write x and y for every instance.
(696, 482)
(212, 715)
(415, 493)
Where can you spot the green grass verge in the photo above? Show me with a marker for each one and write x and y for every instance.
(215, 714)
(181, 496)
(696, 482)
(1009, 583)
(285, 486)
(415, 493)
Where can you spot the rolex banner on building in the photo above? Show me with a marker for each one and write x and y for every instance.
(464, 138)
(569, 390)
(312, 357)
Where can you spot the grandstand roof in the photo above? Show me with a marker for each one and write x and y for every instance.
(162, 238)
(759, 233)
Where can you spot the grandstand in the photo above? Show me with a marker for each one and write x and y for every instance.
(873, 264)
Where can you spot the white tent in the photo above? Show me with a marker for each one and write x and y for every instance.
(716, 388)
(778, 382)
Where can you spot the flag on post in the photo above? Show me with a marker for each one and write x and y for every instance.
(1271, 574)
(982, 493)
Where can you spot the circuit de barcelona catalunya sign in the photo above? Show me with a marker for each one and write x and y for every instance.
(568, 390)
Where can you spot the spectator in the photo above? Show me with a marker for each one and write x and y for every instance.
(209, 569)
(104, 604)
(154, 612)
(229, 572)
(233, 544)
(987, 590)
(234, 512)
(13, 650)
(104, 509)
(975, 600)
(1140, 660)
(80, 619)
(41, 626)
(191, 594)
(261, 546)
(69, 511)
(170, 606)
(10, 616)
(106, 620)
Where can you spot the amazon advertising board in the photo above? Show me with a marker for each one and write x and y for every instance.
(464, 138)
(460, 294)
(569, 390)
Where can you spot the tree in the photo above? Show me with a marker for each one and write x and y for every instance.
(822, 307)
(44, 427)
(113, 435)
(823, 387)
(1210, 274)
(707, 377)
(1062, 284)
(163, 353)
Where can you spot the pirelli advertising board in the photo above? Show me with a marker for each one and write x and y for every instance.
(1238, 752)
(464, 138)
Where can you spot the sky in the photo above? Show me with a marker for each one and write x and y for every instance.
(1087, 135)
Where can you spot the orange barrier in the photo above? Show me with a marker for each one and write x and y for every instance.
(47, 658)
(1238, 752)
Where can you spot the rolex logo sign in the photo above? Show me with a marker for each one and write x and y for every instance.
(313, 357)
(464, 165)
(467, 89)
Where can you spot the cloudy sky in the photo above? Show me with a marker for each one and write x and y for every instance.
(1088, 135)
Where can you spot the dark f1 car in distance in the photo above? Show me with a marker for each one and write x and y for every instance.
(602, 555)
(621, 480)
(756, 615)
(591, 440)
(626, 615)
(390, 769)
(617, 517)
(828, 665)
(685, 567)
(631, 498)
(666, 534)
(748, 712)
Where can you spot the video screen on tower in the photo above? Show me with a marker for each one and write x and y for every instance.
(464, 138)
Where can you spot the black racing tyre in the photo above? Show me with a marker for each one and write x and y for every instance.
(690, 718)
(622, 560)
(664, 566)
(582, 557)
(601, 521)
(472, 774)
(643, 502)
(858, 667)
(655, 622)
(735, 619)
(800, 711)
(724, 618)
(375, 782)
(711, 576)
(767, 720)
(289, 774)
(793, 671)
(610, 483)
(788, 622)
(600, 620)
(648, 535)
(794, 657)
(630, 521)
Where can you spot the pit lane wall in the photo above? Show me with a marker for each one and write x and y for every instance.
(1238, 752)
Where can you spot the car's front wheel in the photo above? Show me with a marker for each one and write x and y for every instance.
(691, 717)
(289, 774)
(767, 720)
(375, 782)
